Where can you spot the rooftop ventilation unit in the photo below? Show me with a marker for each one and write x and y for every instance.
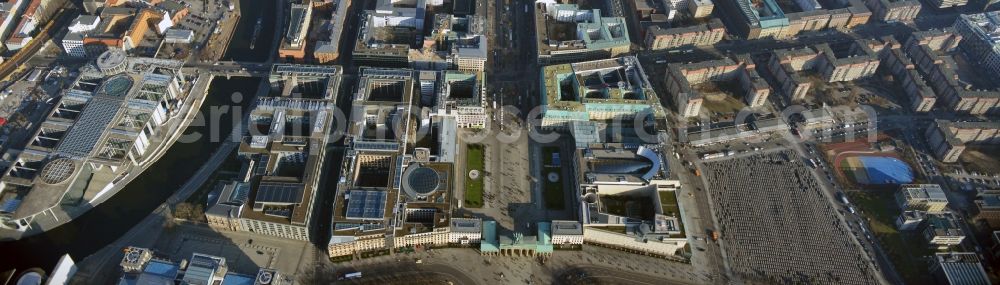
(264, 277)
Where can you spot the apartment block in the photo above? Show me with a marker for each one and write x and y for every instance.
(832, 64)
(682, 80)
(847, 63)
(785, 19)
(959, 87)
(700, 8)
(648, 14)
(700, 35)
(756, 88)
(948, 139)
(689, 104)
(839, 18)
(808, 21)
(894, 10)
(937, 40)
(921, 96)
(988, 207)
(860, 14)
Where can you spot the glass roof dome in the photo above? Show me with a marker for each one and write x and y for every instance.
(117, 86)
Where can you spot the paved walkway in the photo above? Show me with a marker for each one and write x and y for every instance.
(466, 266)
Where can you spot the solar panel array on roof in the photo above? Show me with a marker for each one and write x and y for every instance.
(237, 279)
(87, 131)
(200, 270)
(366, 205)
(279, 192)
(363, 227)
(157, 272)
(161, 268)
(262, 162)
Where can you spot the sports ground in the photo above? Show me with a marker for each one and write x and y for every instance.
(859, 164)
(876, 170)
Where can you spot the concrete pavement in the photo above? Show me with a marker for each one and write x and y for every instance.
(466, 266)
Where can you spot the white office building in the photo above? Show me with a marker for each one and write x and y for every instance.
(72, 42)
(178, 36)
(943, 230)
(465, 231)
(981, 39)
(567, 233)
(926, 197)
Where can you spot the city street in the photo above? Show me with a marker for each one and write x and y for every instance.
(513, 193)
(706, 255)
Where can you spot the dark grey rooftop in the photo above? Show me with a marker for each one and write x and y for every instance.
(279, 193)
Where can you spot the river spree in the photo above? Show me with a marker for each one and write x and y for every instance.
(104, 224)
(109, 220)
(239, 47)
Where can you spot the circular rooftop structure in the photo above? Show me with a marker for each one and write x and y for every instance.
(117, 86)
(421, 181)
(112, 61)
(57, 171)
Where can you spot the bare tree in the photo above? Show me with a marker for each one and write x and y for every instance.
(190, 212)
(183, 210)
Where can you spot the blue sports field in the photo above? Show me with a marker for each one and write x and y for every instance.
(886, 170)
